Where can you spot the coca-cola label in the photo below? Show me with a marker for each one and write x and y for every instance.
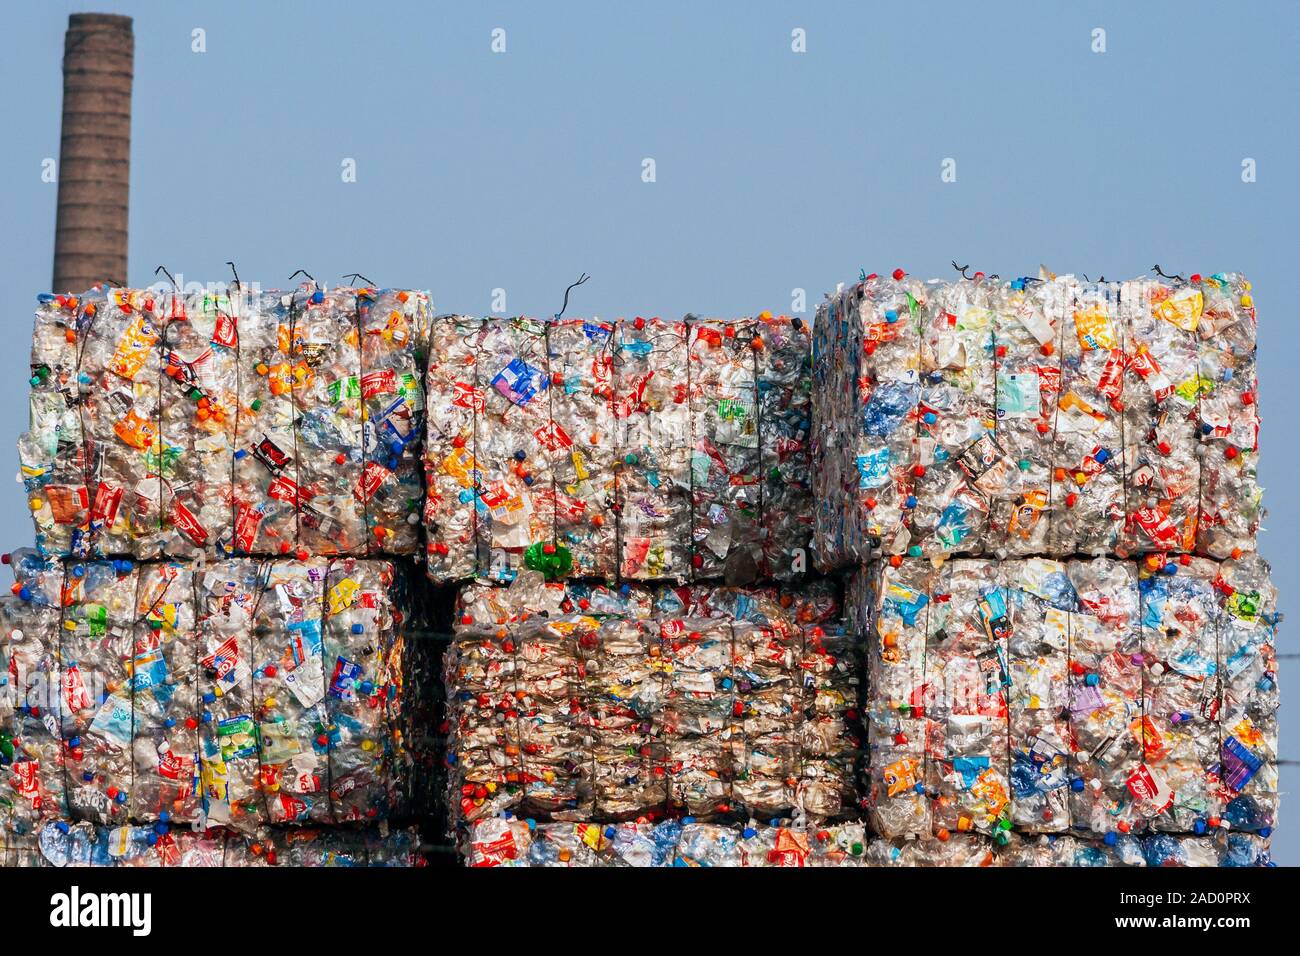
(247, 523)
(1148, 369)
(224, 659)
(1111, 383)
(183, 519)
(552, 437)
(287, 490)
(270, 454)
(1157, 526)
(107, 500)
(372, 478)
(467, 396)
(1150, 789)
(383, 382)
(174, 766)
(226, 332)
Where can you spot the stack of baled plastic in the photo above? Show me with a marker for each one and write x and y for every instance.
(1046, 489)
(167, 424)
(584, 703)
(245, 695)
(648, 449)
(500, 841)
(1029, 417)
(84, 844)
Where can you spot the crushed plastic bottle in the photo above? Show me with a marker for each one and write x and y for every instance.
(169, 424)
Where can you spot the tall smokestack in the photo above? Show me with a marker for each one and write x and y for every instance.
(95, 152)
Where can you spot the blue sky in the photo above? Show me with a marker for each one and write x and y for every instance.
(774, 170)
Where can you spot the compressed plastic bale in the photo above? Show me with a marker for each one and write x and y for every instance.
(645, 701)
(504, 841)
(643, 844)
(136, 846)
(1181, 635)
(893, 313)
(1040, 601)
(96, 646)
(52, 453)
(580, 440)
(1168, 850)
(163, 675)
(86, 845)
(393, 325)
(19, 849)
(327, 386)
(623, 677)
(896, 673)
(766, 758)
(1160, 368)
(266, 466)
(199, 407)
(725, 454)
(701, 705)
(651, 358)
(513, 376)
(31, 689)
(483, 739)
(828, 728)
(572, 845)
(1106, 685)
(833, 386)
(451, 522)
(785, 442)
(228, 612)
(708, 844)
(958, 462)
(1027, 335)
(1244, 849)
(120, 377)
(964, 850)
(499, 841)
(966, 676)
(1069, 851)
(1089, 455)
(1248, 722)
(551, 734)
(1228, 406)
(359, 637)
(213, 423)
(290, 725)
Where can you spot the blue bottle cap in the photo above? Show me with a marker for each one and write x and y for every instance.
(358, 628)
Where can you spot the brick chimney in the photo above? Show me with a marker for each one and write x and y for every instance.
(94, 152)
